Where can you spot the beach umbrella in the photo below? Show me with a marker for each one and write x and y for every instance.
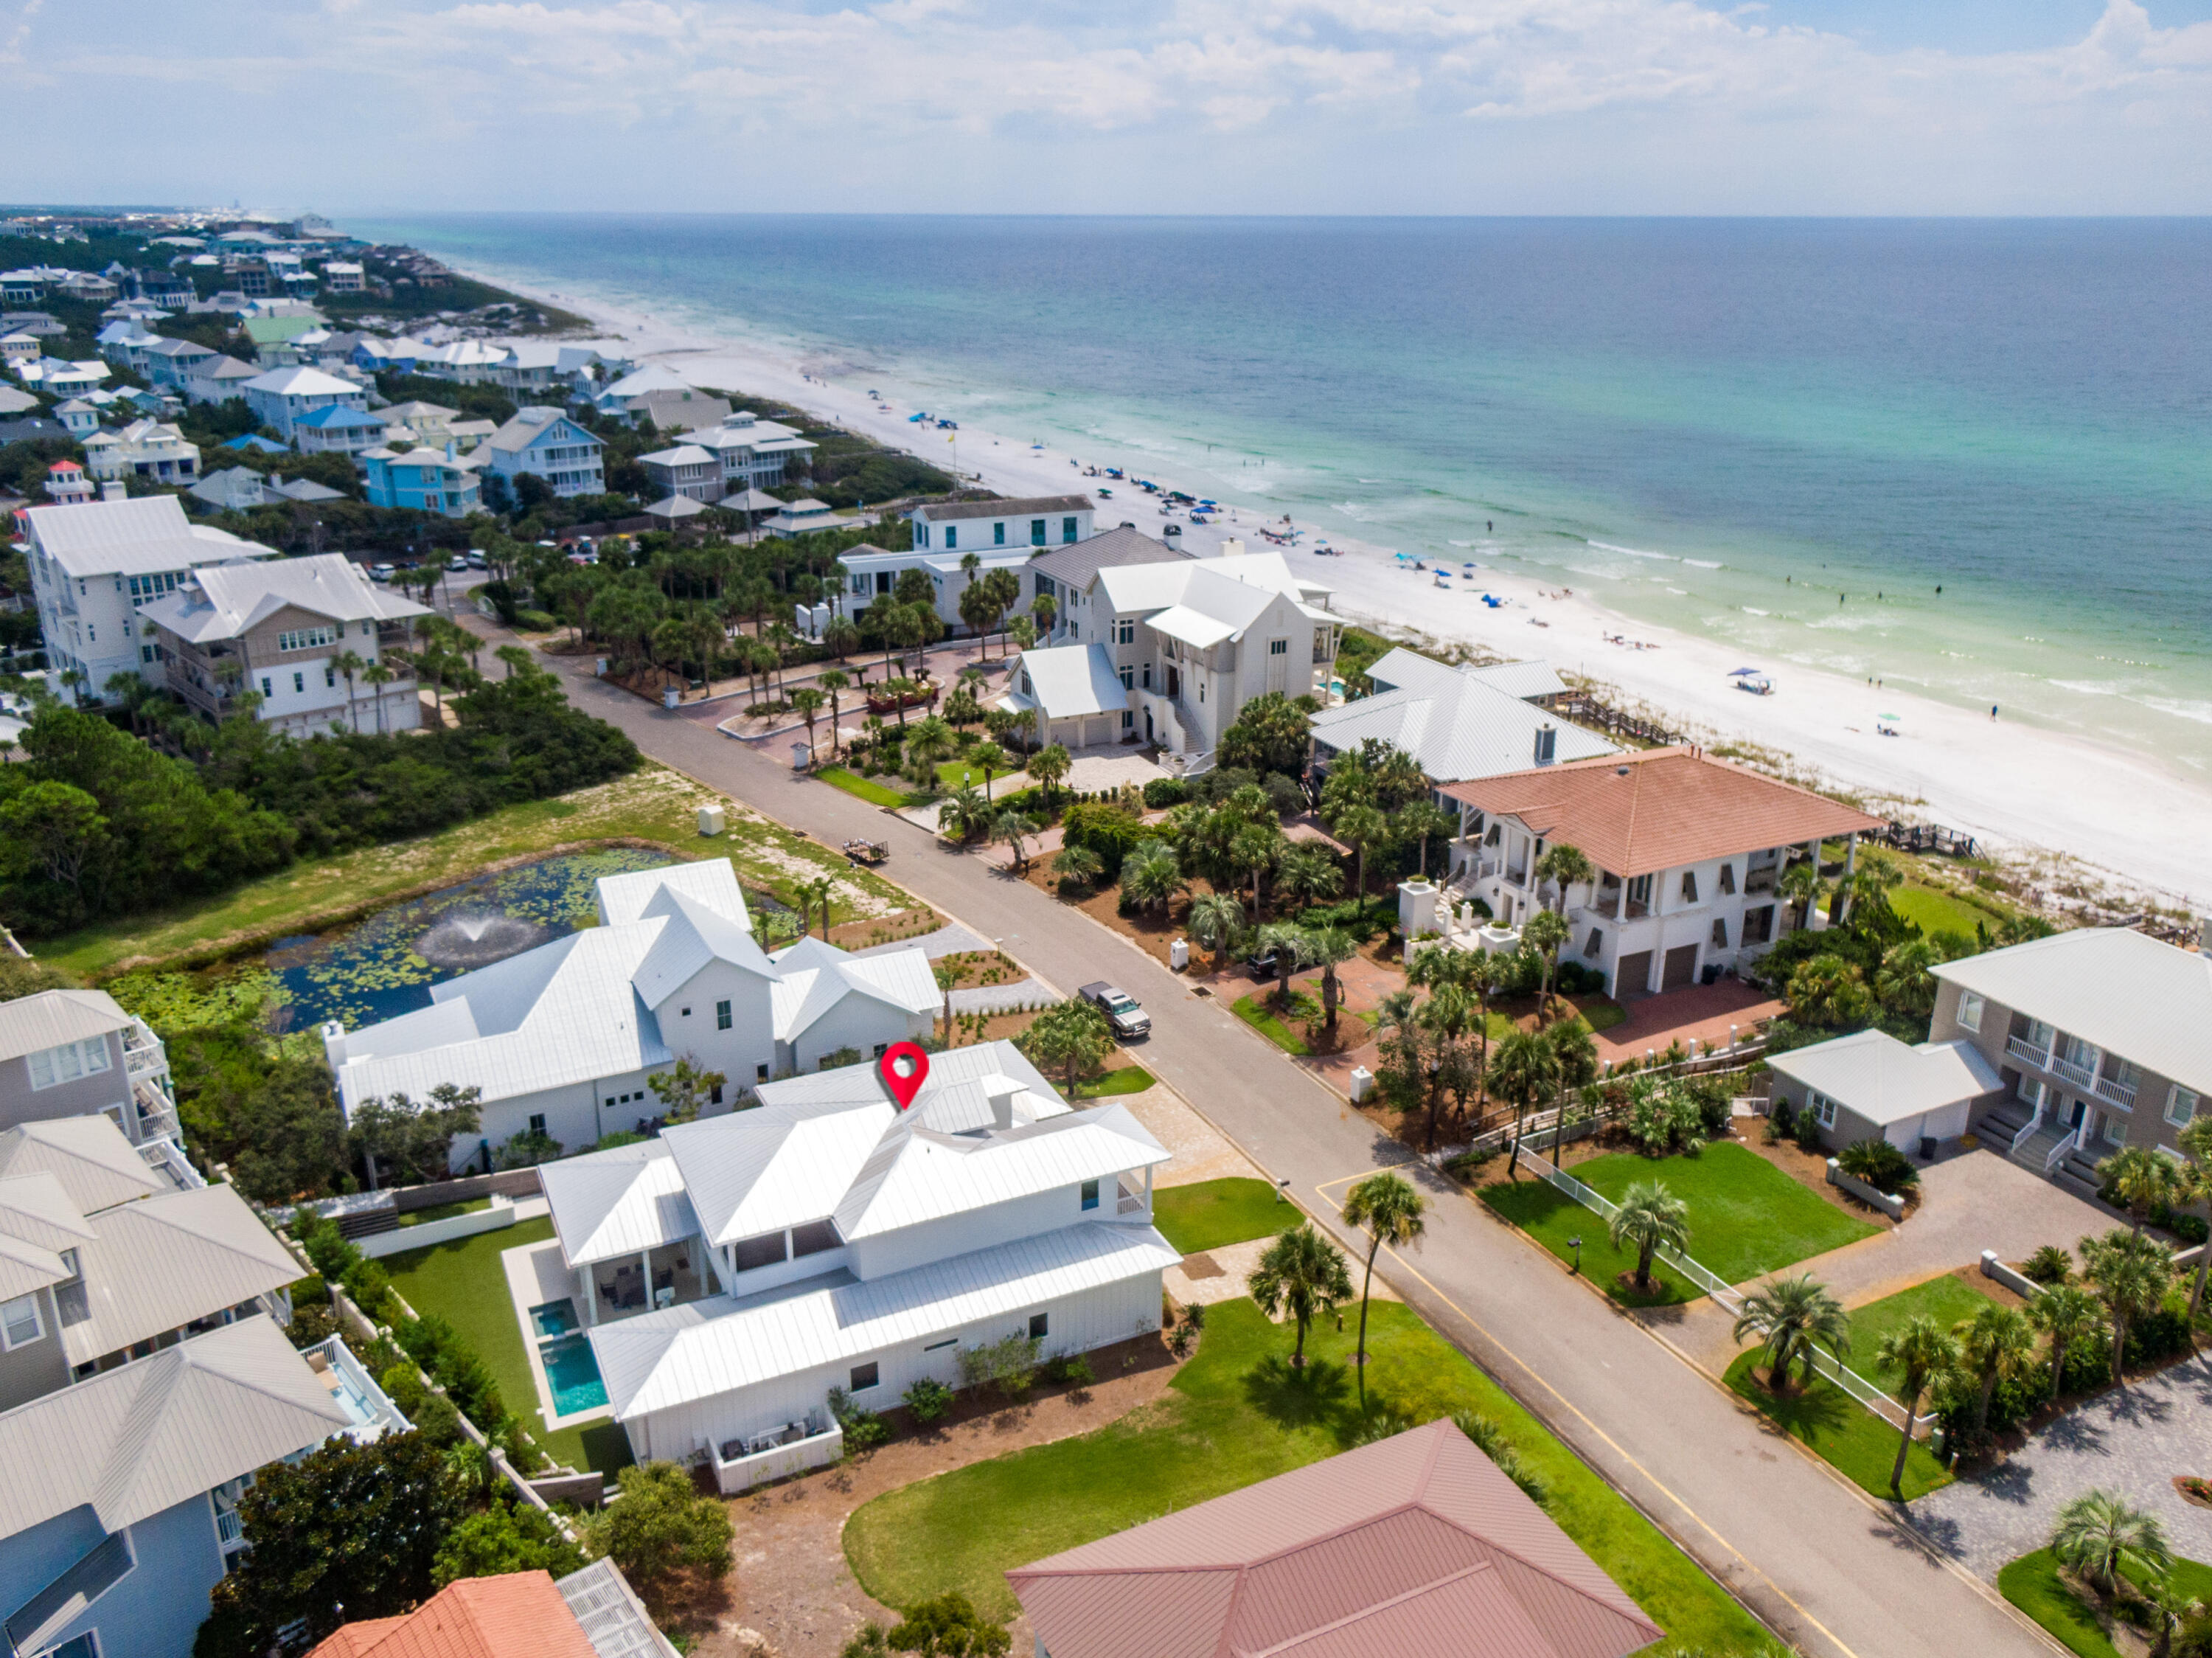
(1744, 672)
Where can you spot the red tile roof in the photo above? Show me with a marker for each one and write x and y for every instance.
(1414, 1547)
(1660, 809)
(520, 1615)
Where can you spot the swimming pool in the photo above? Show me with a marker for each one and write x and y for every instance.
(572, 1374)
(554, 1318)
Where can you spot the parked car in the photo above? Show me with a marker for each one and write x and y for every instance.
(477, 559)
(458, 561)
(1128, 1020)
(1261, 964)
(382, 572)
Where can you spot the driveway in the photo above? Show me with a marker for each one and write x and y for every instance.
(1801, 1546)
(2132, 1439)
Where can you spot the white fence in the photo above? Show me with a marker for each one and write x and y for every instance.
(1725, 1295)
(498, 1213)
(742, 1473)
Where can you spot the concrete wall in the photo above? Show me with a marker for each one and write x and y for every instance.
(501, 1213)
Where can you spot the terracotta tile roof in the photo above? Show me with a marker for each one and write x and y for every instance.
(1660, 809)
(1415, 1545)
(519, 1615)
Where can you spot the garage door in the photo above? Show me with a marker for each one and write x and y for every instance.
(1635, 976)
(1681, 967)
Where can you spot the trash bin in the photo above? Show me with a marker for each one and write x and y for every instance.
(1712, 972)
(1927, 1148)
(671, 695)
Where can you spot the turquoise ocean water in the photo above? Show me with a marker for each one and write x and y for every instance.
(1716, 426)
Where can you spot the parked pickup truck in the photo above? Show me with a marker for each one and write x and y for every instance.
(1121, 1011)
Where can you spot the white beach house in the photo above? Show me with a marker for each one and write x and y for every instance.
(1458, 721)
(830, 1240)
(564, 1040)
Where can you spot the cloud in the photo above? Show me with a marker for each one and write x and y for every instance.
(685, 102)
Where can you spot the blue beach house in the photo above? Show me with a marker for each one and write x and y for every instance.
(428, 480)
(337, 430)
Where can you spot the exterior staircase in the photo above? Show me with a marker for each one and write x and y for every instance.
(1998, 1125)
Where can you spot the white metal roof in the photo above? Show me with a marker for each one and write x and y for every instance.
(706, 1348)
(1064, 681)
(1874, 1075)
(691, 936)
(803, 995)
(683, 454)
(225, 601)
(157, 1265)
(131, 538)
(1458, 727)
(1191, 626)
(149, 1435)
(1523, 679)
(89, 1156)
(31, 1024)
(617, 1202)
(2122, 989)
(302, 383)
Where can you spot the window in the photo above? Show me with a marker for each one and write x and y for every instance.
(865, 1376)
(68, 1062)
(1823, 1106)
(86, 1645)
(1128, 719)
(1125, 630)
(760, 1072)
(330, 678)
(1090, 1194)
(311, 639)
(19, 1324)
(1279, 647)
(1037, 531)
(1067, 529)
(1689, 885)
(1594, 944)
(2029, 1092)
(748, 1254)
(2180, 1106)
(714, 1095)
(939, 1346)
(145, 653)
(1759, 924)
(537, 1122)
(721, 1015)
(952, 535)
(1970, 1011)
(2115, 1130)
(1727, 881)
(1639, 886)
(299, 682)
(1040, 1325)
(1148, 676)
(1128, 677)
(1720, 933)
(266, 690)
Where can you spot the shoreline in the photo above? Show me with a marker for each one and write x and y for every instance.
(2031, 793)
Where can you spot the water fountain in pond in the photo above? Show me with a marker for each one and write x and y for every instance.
(477, 938)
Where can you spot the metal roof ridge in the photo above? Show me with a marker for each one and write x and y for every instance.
(1370, 1610)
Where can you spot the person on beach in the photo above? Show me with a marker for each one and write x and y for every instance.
(1993, 710)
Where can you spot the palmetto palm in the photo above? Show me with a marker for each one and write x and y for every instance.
(2197, 1182)
(2129, 1275)
(1049, 766)
(1788, 1315)
(1215, 920)
(808, 701)
(1014, 829)
(1649, 1216)
(1421, 820)
(1575, 1058)
(1150, 876)
(965, 815)
(931, 740)
(1801, 885)
(1996, 1342)
(1448, 1014)
(2067, 1313)
(990, 758)
(350, 664)
(1388, 1209)
(1330, 947)
(1523, 1071)
(1399, 780)
(1308, 874)
(2099, 1529)
(2143, 1180)
(1303, 1274)
(1253, 850)
(1362, 828)
(1903, 982)
(1926, 1353)
(1544, 932)
(378, 675)
(1564, 865)
(829, 683)
(1084, 867)
(1294, 950)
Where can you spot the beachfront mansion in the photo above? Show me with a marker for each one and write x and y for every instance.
(563, 1041)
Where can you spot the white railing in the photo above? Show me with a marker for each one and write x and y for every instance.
(2034, 1121)
(2020, 1048)
(2119, 1093)
(227, 1530)
(2079, 1075)
(164, 1157)
(2067, 1142)
(1726, 1296)
(743, 1471)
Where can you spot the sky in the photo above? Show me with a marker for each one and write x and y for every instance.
(1245, 106)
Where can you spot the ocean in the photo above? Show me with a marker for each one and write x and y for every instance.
(1971, 458)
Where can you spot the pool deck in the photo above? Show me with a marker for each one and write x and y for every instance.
(535, 1274)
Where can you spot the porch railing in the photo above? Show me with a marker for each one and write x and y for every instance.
(2028, 1132)
(2119, 1093)
(2020, 1048)
(2079, 1076)
(2067, 1144)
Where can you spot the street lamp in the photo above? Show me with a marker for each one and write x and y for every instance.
(1575, 1243)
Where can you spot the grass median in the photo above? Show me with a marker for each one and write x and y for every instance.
(1254, 1011)
(1858, 1444)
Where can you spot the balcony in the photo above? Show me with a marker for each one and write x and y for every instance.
(1759, 883)
(2079, 1076)
(2122, 1095)
(2020, 1048)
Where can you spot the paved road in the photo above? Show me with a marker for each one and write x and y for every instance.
(1829, 1570)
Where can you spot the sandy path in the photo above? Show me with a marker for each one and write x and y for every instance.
(2016, 786)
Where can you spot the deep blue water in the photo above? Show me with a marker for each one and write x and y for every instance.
(1677, 414)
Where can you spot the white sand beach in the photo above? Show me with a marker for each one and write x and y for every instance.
(2019, 788)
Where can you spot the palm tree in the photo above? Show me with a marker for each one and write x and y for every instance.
(1523, 1071)
(1012, 827)
(517, 658)
(2196, 1187)
(1254, 850)
(1389, 1210)
(1301, 1273)
(1420, 820)
(965, 815)
(947, 977)
(1150, 876)
(350, 664)
(378, 675)
(1903, 982)
(2099, 1530)
(1329, 948)
(1650, 1216)
(829, 682)
(2067, 1313)
(1801, 885)
(2169, 1606)
(1049, 766)
(1292, 951)
(1308, 874)
(1788, 1315)
(1544, 932)
(1996, 1342)
(987, 758)
(808, 701)
(2143, 1180)
(1362, 828)
(1398, 779)
(2129, 1274)
(1575, 1056)
(1564, 866)
(1081, 865)
(1214, 921)
(1925, 1352)
(819, 890)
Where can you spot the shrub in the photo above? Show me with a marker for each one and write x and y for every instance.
(1490, 1439)
(1162, 792)
(1467, 1162)
(2049, 1264)
(1069, 1370)
(1880, 1164)
(2158, 1335)
(1663, 1115)
(927, 1400)
(864, 1430)
(1009, 1364)
(536, 621)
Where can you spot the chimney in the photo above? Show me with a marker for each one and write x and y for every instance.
(113, 490)
(1547, 743)
(1000, 1089)
(452, 453)
(1232, 548)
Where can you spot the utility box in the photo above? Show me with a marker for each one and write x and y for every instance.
(712, 820)
(802, 756)
(671, 695)
(1363, 1083)
(1179, 955)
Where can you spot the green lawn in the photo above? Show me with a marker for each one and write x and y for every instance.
(1857, 1443)
(1253, 1010)
(1208, 1214)
(1938, 911)
(1599, 1014)
(2032, 1583)
(443, 1211)
(958, 774)
(1945, 1300)
(1746, 1217)
(462, 1282)
(867, 788)
(1130, 1079)
(1237, 1413)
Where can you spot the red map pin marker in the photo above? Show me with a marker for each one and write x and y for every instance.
(904, 1068)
